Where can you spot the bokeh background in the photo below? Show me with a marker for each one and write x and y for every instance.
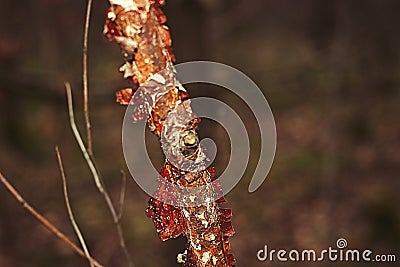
(330, 71)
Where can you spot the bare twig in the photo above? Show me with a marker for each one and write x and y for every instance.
(69, 209)
(79, 140)
(95, 173)
(122, 195)
(44, 221)
(85, 79)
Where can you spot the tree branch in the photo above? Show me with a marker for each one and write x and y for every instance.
(95, 173)
(44, 221)
(122, 195)
(85, 79)
(69, 209)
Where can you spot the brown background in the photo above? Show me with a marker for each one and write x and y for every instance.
(330, 71)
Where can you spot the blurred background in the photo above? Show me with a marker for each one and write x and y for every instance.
(329, 69)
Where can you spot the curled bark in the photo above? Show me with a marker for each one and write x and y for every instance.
(138, 27)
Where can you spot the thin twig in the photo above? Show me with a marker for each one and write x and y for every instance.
(85, 79)
(122, 195)
(79, 140)
(96, 176)
(69, 209)
(44, 221)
